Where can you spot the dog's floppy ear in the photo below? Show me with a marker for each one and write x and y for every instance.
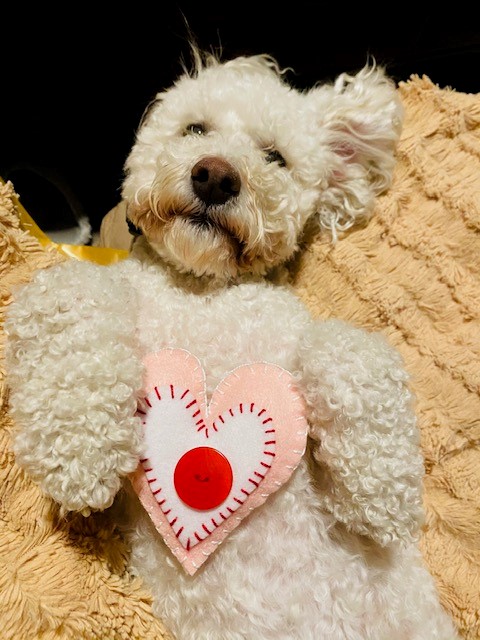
(360, 117)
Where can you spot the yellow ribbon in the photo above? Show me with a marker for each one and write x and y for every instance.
(100, 255)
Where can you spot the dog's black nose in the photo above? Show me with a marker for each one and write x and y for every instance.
(215, 180)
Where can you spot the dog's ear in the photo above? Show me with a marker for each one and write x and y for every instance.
(360, 119)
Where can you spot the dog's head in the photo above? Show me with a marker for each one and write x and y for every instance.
(231, 162)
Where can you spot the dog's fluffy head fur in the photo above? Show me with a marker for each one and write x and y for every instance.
(231, 162)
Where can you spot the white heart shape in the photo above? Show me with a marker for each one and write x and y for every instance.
(205, 469)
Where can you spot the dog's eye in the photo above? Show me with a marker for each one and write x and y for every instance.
(275, 156)
(195, 127)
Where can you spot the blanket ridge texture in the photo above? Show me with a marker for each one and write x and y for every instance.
(413, 273)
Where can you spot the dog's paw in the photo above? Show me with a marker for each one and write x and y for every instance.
(364, 430)
(85, 489)
(81, 470)
(72, 495)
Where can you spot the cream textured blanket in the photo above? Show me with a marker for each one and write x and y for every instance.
(413, 273)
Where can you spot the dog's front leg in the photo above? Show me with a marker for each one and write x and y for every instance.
(364, 430)
(73, 373)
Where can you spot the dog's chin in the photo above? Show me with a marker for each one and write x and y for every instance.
(195, 245)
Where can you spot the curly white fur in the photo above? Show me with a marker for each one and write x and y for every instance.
(56, 390)
(333, 553)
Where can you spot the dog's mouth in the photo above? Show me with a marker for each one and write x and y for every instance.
(207, 222)
(212, 225)
(202, 220)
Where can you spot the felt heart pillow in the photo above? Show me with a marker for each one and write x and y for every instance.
(205, 468)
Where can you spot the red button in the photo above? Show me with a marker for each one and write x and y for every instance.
(203, 478)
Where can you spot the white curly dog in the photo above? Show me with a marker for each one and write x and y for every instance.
(230, 167)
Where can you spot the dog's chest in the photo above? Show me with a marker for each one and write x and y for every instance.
(244, 324)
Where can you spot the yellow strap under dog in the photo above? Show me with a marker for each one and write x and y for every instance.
(100, 255)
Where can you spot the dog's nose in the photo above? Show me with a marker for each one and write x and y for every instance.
(215, 180)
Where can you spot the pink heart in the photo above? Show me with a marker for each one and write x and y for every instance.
(206, 468)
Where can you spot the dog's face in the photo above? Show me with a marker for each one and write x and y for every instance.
(231, 162)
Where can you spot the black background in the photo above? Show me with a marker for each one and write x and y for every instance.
(76, 78)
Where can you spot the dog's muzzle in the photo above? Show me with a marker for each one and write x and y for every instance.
(215, 181)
